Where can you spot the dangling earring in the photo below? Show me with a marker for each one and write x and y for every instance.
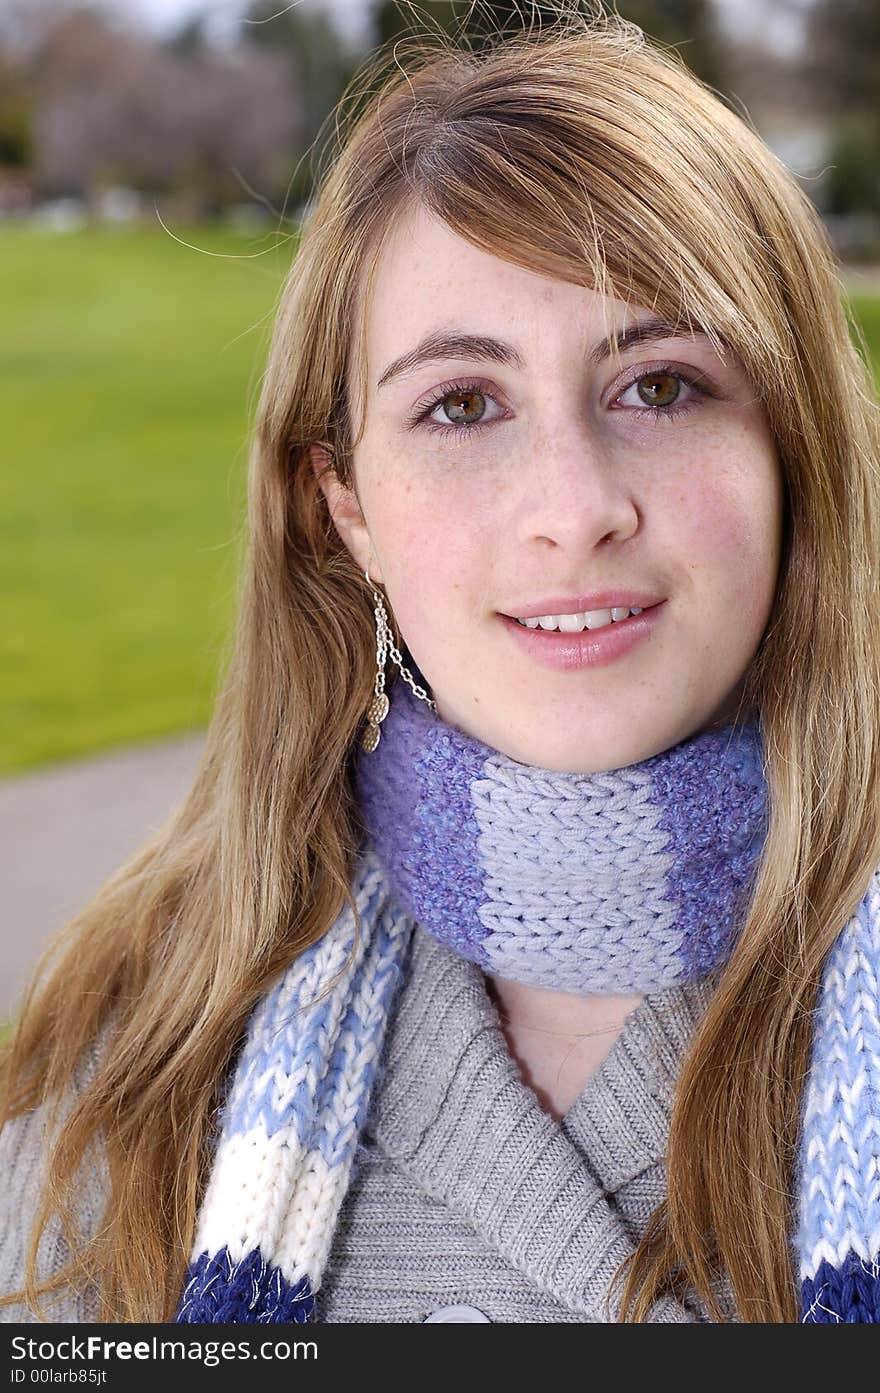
(378, 707)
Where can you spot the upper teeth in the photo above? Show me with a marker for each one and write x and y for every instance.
(575, 623)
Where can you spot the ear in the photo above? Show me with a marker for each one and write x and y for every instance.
(346, 513)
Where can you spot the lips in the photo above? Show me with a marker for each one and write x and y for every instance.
(589, 648)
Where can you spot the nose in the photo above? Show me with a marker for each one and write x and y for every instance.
(577, 495)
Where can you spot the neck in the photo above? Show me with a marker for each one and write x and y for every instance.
(564, 1016)
(556, 1039)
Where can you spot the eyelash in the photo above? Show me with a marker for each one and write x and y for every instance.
(659, 413)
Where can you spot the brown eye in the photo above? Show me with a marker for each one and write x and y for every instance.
(465, 404)
(468, 409)
(658, 388)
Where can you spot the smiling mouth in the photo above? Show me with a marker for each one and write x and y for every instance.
(586, 621)
(570, 649)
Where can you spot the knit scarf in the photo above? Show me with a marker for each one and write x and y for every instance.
(630, 880)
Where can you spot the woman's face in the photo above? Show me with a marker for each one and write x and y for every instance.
(542, 476)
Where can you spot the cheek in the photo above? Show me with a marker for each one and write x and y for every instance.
(434, 555)
(732, 539)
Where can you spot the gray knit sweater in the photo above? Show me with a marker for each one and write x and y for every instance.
(464, 1191)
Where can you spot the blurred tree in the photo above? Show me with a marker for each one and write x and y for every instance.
(687, 25)
(24, 24)
(842, 59)
(851, 180)
(15, 114)
(390, 19)
(189, 38)
(842, 66)
(113, 107)
(320, 63)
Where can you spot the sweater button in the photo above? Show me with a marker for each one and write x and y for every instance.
(458, 1313)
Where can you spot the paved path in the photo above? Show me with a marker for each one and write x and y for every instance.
(64, 829)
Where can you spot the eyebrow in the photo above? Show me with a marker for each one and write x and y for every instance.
(452, 343)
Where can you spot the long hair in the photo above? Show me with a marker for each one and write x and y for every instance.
(582, 151)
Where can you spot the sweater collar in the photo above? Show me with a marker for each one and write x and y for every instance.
(445, 1033)
(451, 1111)
(623, 881)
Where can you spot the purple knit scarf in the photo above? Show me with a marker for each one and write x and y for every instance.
(623, 881)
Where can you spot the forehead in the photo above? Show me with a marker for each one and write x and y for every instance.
(426, 273)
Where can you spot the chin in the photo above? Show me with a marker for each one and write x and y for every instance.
(580, 758)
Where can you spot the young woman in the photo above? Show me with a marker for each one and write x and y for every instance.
(534, 978)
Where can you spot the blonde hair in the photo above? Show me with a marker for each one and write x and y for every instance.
(585, 152)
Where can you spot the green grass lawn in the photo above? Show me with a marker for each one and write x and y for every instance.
(129, 370)
(867, 311)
